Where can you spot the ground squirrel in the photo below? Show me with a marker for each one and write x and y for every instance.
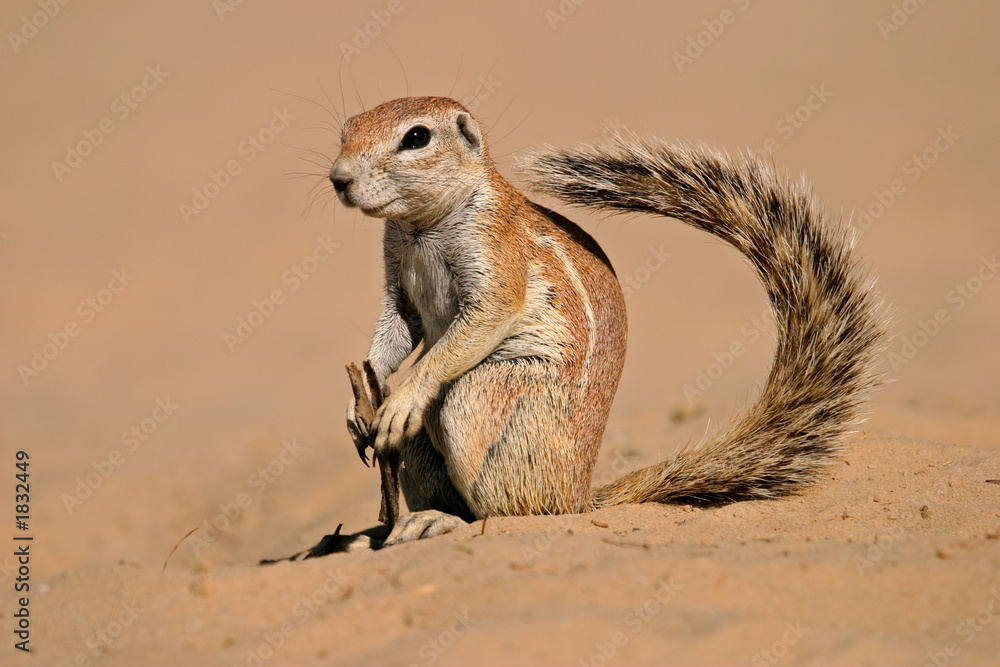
(523, 326)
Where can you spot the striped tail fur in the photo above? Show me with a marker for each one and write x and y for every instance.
(830, 324)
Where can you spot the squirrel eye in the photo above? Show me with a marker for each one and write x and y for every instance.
(417, 136)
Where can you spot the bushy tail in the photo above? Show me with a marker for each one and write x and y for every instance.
(829, 324)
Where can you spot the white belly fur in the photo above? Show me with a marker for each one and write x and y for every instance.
(430, 287)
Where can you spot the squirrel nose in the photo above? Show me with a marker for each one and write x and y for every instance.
(339, 177)
(340, 183)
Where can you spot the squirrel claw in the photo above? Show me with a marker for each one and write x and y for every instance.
(361, 441)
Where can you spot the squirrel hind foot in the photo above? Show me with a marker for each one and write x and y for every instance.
(418, 525)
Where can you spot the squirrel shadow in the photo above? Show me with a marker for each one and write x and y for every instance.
(369, 539)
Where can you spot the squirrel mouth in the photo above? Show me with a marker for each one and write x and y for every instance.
(376, 211)
(345, 199)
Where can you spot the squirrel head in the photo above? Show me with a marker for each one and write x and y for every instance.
(413, 160)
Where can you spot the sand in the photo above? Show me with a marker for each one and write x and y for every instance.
(179, 307)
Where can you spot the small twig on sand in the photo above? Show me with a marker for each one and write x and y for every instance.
(175, 548)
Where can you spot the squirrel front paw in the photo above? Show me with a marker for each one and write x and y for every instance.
(401, 416)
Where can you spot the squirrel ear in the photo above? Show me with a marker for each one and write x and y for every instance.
(469, 130)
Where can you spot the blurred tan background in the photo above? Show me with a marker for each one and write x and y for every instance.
(874, 103)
